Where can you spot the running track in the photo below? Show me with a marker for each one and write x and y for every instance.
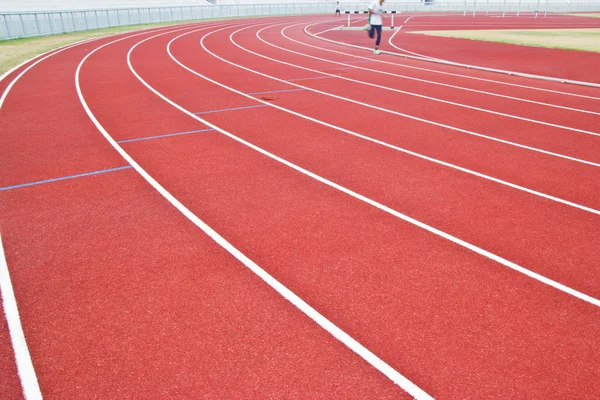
(436, 228)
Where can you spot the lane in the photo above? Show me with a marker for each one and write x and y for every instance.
(31, 144)
(330, 247)
(45, 134)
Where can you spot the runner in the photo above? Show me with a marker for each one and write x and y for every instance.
(375, 22)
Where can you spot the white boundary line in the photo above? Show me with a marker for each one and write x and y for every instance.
(29, 382)
(410, 52)
(351, 343)
(428, 81)
(415, 154)
(331, 29)
(535, 149)
(398, 90)
(41, 57)
(358, 196)
(444, 72)
(406, 51)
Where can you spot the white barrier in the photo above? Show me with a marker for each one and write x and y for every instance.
(28, 24)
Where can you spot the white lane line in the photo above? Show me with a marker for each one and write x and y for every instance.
(405, 115)
(29, 382)
(435, 71)
(485, 110)
(358, 196)
(327, 30)
(425, 80)
(406, 51)
(304, 307)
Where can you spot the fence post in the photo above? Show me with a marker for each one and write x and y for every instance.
(22, 24)
(465, 9)
(37, 23)
(519, 8)
(73, 20)
(487, 8)
(546, 10)
(118, 17)
(474, 6)
(97, 20)
(87, 28)
(62, 23)
(504, 9)
(50, 23)
(6, 25)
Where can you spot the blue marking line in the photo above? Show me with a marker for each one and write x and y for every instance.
(314, 77)
(229, 109)
(165, 135)
(338, 69)
(277, 91)
(102, 171)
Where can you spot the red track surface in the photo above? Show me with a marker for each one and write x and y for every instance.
(121, 296)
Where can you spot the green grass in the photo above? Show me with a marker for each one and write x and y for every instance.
(587, 39)
(15, 51)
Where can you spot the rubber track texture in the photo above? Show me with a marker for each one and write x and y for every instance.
(268, 187)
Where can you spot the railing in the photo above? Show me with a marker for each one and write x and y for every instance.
(29, 24)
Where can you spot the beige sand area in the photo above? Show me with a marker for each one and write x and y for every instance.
(585, 39)
(591, 15)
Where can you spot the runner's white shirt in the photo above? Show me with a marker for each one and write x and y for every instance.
(375, 19)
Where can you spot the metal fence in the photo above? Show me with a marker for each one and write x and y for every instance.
(29, 24)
